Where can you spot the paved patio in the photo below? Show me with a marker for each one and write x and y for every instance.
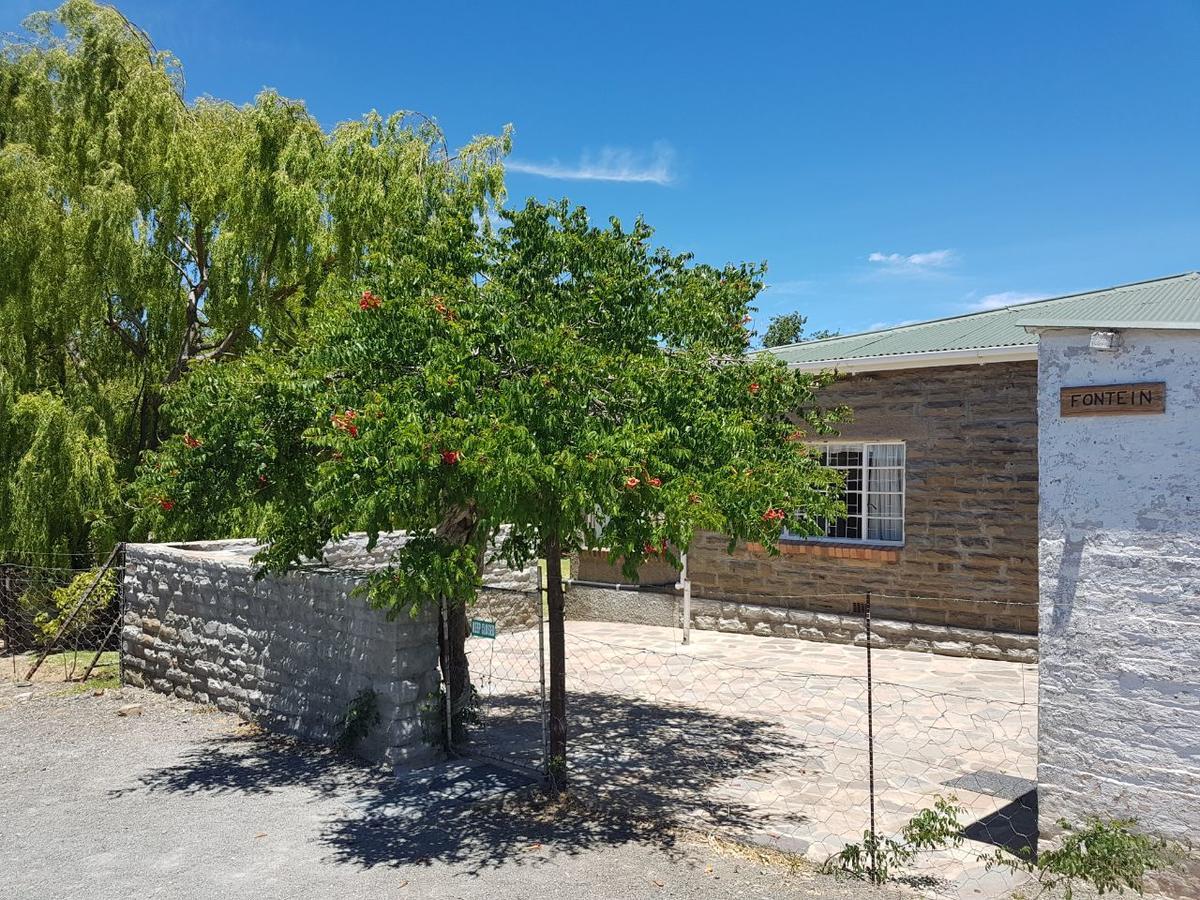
(766, 738)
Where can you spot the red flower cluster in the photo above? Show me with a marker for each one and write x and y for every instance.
(167, 504)
(774, 515)
(632, 482)
(753, 387)
(190, 442)
(654, 482)
(345, 422)
(796, 436)
(262, 480)
(446, 312)
(369, 301)
(450, 457)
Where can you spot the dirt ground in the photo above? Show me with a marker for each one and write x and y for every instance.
(177, 800)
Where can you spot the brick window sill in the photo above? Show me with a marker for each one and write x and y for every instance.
(834, 551)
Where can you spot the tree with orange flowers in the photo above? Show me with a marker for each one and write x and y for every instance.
(553, 386)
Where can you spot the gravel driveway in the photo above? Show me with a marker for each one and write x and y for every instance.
(181, 801)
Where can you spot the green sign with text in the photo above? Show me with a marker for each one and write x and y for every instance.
(482, 628)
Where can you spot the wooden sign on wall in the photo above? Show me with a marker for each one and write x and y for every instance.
(1113, 399)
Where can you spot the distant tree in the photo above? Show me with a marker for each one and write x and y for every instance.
(788, 328)
(562, 382)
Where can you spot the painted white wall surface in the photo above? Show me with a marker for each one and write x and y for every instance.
(1119, 525)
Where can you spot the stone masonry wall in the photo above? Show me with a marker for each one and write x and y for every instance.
(1119, 718)
(290, 652)
(969, 559)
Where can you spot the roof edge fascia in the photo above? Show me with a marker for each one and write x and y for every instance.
(927, 360)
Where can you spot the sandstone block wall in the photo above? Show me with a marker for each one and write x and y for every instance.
(290, 652)
(766, 620)
(970, 512)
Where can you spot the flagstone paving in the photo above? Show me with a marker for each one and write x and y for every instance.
(766, 738)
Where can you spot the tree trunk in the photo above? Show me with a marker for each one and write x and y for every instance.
(552, 551)
(458, 527)
(456, 671)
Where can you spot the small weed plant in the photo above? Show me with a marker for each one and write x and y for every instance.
(877, 858)
(1106, 855)
(361, 716)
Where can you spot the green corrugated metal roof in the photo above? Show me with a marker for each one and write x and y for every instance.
(1172, 302)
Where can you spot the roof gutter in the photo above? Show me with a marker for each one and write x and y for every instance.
(927, 360)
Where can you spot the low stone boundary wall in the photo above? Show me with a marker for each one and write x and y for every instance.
(290, 652)
(653, 608)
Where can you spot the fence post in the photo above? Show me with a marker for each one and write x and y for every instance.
(541, 605)
(871, 743)
(121, 607)
(8, 607)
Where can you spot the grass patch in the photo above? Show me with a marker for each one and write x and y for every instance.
(69, 665)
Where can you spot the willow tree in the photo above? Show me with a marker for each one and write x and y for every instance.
(144, 235)
(579, 390)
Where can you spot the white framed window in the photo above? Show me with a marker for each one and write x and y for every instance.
(874, 493)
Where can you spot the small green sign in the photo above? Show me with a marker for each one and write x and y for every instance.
(483, 628)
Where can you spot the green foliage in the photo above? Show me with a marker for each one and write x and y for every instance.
(432, 712)
(361, 716)
(145, 236)
(562, 379)
(788, 328)
(58, 483)
(877, 858)
(1105, 854)
(88, 620)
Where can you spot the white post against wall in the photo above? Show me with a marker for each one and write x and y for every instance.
(686, 584)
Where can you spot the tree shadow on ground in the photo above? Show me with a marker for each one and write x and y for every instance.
(640, 771)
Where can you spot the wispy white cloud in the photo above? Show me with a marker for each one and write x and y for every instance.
(1002, 299)
(913, 262)
(610, 164)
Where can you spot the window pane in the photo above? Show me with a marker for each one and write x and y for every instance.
(847, 459)
(874, 507)
(885, 492)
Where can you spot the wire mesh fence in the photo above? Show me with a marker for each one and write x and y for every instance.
(506, 709)
(822, 750)
(60, 621)
(829, 751)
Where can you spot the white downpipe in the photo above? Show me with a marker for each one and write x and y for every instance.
(686, 584)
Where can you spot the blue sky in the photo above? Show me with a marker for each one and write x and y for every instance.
(890, 161)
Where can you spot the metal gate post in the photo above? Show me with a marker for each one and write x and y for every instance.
(871, 743)
(8, 606)
(121, 605)
(541, 604)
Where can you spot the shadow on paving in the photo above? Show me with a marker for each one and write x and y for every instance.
(1013, 827)
(640, 771)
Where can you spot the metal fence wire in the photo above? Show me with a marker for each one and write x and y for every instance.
(61, 621)
(505, 710)
(807, 748)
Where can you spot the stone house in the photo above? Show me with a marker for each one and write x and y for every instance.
(942, 484)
